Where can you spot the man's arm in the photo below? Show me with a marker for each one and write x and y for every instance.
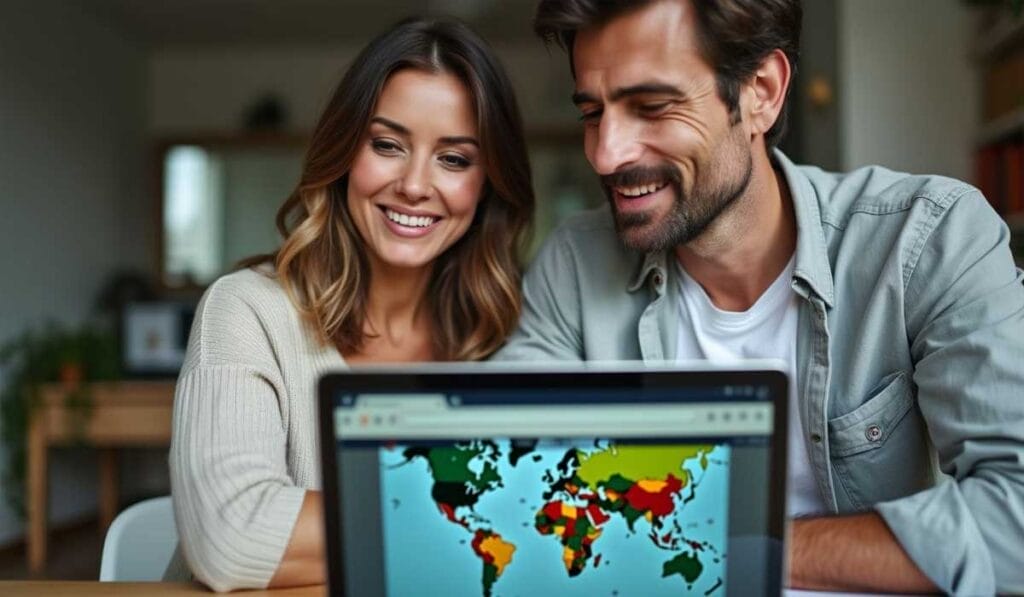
(964, 306)
(851, 553)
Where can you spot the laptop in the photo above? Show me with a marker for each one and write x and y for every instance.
(587, 480)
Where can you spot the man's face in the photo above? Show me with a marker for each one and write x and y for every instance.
(669, 154)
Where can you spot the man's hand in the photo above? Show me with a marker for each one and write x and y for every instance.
(851, 553)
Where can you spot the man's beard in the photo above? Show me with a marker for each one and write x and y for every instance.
(688, 217)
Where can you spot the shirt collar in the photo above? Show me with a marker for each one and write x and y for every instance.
(812, 265)
(651, 262)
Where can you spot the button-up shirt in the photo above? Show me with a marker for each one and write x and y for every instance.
(910, 353)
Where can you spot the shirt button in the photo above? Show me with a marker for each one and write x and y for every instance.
(816, 438)
(873, 433)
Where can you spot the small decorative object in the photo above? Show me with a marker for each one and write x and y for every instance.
(819, 92)
(268, 113)
(71, 357)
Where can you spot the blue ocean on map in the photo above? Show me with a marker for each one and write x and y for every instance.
(427, 552)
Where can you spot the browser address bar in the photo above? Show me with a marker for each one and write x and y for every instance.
(550, 417)
(648, 420)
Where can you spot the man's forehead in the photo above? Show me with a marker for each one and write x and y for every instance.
(637, 45)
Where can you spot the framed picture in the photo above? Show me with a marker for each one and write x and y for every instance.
(154, 336)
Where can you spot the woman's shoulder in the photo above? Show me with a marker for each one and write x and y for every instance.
(257, 282)
(246, 311)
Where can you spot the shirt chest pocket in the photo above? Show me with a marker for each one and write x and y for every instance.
(880, 450)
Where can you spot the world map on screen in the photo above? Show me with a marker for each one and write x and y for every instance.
(524, 518)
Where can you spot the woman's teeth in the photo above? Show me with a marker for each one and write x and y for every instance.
(411, 221)
(640, 190)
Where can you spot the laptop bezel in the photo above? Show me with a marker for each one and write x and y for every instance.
(447, 378)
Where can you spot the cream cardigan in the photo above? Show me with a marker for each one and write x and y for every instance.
(244, 447)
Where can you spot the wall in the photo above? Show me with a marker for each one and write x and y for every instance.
(203, 88)
(908, 95)
(72, 112)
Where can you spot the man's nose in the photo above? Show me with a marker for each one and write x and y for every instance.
(415, 183)
(616, 145)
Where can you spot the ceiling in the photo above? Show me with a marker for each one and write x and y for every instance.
(163, 23)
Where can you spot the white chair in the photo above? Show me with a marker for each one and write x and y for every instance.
(140, 542)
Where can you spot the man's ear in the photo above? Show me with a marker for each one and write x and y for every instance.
(766, 92)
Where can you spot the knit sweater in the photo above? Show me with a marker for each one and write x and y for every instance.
(244, 448)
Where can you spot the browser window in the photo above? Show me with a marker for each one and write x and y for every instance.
(495, 491)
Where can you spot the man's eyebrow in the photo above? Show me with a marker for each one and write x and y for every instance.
(582, 97)
(402, 130)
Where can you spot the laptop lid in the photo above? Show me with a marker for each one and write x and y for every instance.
(470, 480)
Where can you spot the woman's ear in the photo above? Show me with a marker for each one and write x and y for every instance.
(766, 92)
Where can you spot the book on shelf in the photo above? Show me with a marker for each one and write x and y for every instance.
(999, 175)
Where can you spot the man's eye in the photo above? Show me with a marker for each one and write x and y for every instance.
(591, 116)
(653, 107)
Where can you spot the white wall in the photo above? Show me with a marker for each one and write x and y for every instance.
(908, 95)
(72, 115)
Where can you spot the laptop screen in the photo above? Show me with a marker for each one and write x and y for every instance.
(571, 484)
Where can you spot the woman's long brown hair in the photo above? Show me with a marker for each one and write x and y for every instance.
(474, 296)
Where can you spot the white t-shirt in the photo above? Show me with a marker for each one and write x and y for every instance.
(767, 330)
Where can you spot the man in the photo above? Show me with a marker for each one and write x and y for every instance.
(893, 298)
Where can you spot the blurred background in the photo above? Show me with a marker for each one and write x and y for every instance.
(146, 146)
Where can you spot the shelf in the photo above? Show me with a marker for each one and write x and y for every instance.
(1002, 127)
(1001, 35)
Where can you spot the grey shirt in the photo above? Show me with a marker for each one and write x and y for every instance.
(910, 353)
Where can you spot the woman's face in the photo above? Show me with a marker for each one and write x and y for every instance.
(417, 178)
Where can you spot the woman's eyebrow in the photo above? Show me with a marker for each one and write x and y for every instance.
(402, 130)
(391, 124)
(459, 141)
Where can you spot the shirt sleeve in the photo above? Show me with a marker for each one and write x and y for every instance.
(234, 501)
(550, 324)
(965, 315)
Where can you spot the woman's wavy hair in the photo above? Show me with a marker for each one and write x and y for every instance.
(474, 296)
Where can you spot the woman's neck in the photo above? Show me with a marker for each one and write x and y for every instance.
(398, 324)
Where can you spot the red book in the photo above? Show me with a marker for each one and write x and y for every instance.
(1013, 177)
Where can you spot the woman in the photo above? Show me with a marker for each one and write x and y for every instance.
(400, 244)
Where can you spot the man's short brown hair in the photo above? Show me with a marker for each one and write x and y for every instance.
(735, 35)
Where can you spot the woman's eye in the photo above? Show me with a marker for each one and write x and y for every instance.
(455, 161)
(384, 146)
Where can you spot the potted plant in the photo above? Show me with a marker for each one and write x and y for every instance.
(54, 353)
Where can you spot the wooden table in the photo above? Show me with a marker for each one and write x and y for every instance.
(123, 414)
(143, 589)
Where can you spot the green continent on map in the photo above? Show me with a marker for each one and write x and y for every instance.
(455, 483)
(639, 462)
(685, 565)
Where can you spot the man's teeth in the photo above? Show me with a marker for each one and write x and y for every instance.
(640, 190)
(411, 221)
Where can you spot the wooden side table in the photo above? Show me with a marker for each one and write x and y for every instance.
(123, 414)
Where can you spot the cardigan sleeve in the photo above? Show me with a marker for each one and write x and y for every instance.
(235, 504)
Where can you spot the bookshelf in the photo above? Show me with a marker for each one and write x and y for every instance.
(999, 145)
